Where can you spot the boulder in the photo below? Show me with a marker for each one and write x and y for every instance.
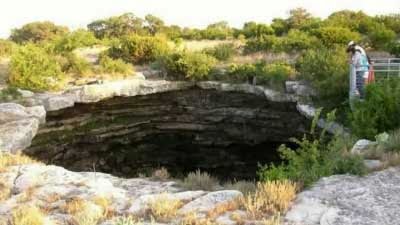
(361, 146)
(373, 164)
(18, 135)
(58, 102)
(350, 200)
(12, 112)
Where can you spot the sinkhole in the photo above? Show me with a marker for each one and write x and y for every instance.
(227, 134)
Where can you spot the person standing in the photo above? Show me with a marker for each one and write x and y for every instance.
(359, 71)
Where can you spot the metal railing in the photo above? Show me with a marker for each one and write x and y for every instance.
(385, 68)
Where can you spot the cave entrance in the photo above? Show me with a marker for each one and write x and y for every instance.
(227, 134)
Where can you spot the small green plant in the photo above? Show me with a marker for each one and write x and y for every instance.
(6, 47)
(199, 181)
(222, 52)
(77, 66)
(114, 66)
(187, 65)
(391, 143)
(379, 111)
(34, 69)
(9, 93)
(138, 49)
(314, 158)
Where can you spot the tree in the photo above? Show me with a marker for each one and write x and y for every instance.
(220, 30)
(336, 35)
(355, 21)
(253, 29)
(37, 32)
(154, 24)
(117, 26)
(280, 26)
(391, 21)
(298, 17)
(380, 36)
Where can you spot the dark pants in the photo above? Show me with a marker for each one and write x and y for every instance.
(360, 83)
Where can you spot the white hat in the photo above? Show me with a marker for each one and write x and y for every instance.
(351, 43)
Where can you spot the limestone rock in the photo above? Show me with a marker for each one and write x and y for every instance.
(58, 102)
(373, 164)
(18, 135)
(350, 200)
(210, 201)
(12, 112)
(361, 146)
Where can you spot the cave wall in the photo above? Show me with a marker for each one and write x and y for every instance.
(226, 133)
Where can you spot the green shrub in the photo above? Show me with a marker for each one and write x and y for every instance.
(76, 65)
(337, 35)
(138, 49)
(9, 93)
(297, 40)
(263, 43)
(327, 71)
(392, 144)
(199, 181)
(77, 39)
(222, 52)
(34, 69)
(114, 66)
(189, 65)
(380, 36)
(380, 110)
(394, 48)
(273, 74)
(37, 32)
(314, 158)
(6, 47)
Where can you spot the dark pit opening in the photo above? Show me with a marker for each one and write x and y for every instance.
(224, 133)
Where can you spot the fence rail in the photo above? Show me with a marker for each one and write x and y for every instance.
(386, 68)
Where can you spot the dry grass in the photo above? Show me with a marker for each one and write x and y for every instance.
(161, 174)
(27, 195)
(203, 44)
(82, 213)
(199, 181)
(164, 208)
(223, 208)
(246, 187)
(7, 160)
(237, 218)
(104, 203)
(193, 219)
(270, 198)
(274, 220)
(27, 215)
(5, 192)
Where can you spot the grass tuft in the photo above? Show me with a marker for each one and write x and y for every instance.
(270, 198)
(199, 181)
(164, 208)
(7, 160)
(27, 215)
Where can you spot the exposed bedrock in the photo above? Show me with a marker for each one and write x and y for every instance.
(225, 133)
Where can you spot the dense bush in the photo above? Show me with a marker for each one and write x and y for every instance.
(77, 39)
(297, 40)
(380, 36)
(222, 52)
(327, 71)
(336, 35)
(273, 74)
(117, 26)
(33, 68)
(37, 32)
(138, 49)
(114, 66)
(189, 65)
(314, 158)
(6, 47)
(394, 48)
(263, 43)
(256, 30)
(76, 65)
(380, 110)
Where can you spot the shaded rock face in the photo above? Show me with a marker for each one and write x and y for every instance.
(224, 133)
